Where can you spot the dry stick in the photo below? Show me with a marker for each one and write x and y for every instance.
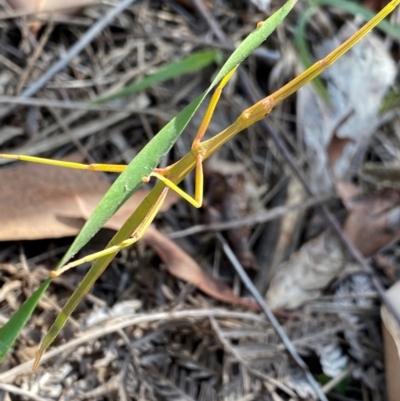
(9, 388)
(113, 325)
(271, 317)
(257, 218)
(225, 343)
(62, 104)
(89, 35)
(239, 269)
(36, 54)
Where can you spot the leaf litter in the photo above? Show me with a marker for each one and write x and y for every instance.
(179, 346)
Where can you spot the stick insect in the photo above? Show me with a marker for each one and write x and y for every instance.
(170, 177)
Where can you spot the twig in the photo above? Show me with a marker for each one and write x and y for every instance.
(126, 321)
(9, 388)
(229, 348)
(89, 35)
(258, 218)
(331, 220)
(274, 321)
(83, 106)
(211, 21)
(36, 53)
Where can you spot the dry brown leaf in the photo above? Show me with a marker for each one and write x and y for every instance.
(45, 8)
(345, 115)
(33, 6)
(372, 223)
(306, 273)
(391, 339)
(375, 5)
(181, 265)
(39, 201)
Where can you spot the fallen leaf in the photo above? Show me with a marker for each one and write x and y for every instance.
(45, 8)
(391, 341)
(35, 6)
(366, 72)
(306, 273)
(39, 201)
(181, 265)
(372, 223)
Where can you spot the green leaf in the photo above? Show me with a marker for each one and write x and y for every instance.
(356, 9)
(10, 331)
(150, 156)
(140, 167)
(194, 62)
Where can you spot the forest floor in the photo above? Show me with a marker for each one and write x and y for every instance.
(171, 319)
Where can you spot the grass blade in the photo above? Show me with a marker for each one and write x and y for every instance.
(363, 12)
(10, 331)
(192, 63)
(153, 152)
(131, 179)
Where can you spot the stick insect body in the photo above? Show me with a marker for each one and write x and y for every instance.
(171, 176)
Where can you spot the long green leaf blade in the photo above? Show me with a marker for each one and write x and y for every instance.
(131, 178)
(155, 150)
(10, 331)
(192, 63)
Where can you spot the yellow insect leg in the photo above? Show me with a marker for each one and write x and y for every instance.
(197, 200)
(110, 168)
(137, 234)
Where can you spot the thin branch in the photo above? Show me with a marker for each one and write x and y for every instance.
(89, 35)
(271, 317)
(126, 321)
(260, 217)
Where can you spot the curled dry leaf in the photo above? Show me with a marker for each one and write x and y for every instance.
(306, 273)
(372, 223)
(366, 72)
(181, 265)
(39, 201)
